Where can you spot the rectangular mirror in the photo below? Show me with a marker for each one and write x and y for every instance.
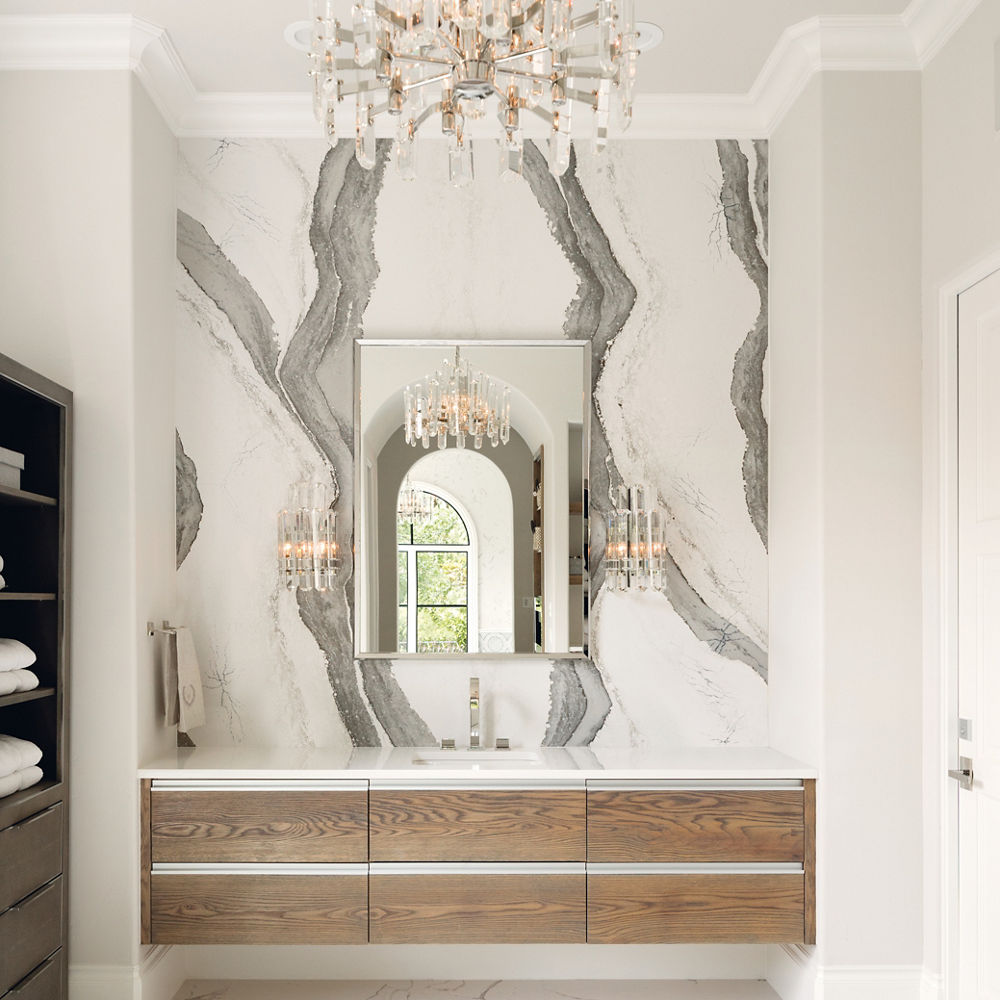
(466, 546)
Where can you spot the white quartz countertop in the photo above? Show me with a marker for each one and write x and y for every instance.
(431, 765)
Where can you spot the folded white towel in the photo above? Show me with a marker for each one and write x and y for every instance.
(14, 655)
(8, 682)
(30, 776)
(3, 583)
(26, 680)
(16, 754)
(19, 780)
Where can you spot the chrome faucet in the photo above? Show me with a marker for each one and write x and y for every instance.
(473, 713)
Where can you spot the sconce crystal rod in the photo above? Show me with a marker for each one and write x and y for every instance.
(308, 556)
(636, 551)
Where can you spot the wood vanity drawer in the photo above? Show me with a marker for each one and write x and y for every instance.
(258, 908)
(30, 854)
(30, 930)
(692, 908)
(488, 824)
(650, 825)
(259, 824)
(43, 983)
(477, 907)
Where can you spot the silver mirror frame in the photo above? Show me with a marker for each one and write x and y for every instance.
(585, 345)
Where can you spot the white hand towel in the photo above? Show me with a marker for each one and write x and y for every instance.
(3, 583)
(9, 784)
(30, 776)
(14, 655)
(16, 754)
(26, 680)
(190, 697)
(8, 682)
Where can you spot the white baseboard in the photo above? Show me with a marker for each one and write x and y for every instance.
(447, 962)
(791, 971)
(159, 977)
(932, 986)
(162, 973)
(869, 982)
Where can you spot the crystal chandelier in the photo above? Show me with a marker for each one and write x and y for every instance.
(460, 402)
(463, 59)
(308, 556)
(414, 504)
(636, 551)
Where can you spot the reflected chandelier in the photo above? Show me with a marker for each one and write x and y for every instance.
(457, 402)
(414, 504)
(412, 59)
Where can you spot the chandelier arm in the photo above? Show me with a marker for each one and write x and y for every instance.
(540, 112)
(407, 87)
(581, 50)
(449, 44)
(524, 53)
(521, 74)
(583, 96)
(587, 73)
(390, 16)
(430, 60)
(345, 64)
(344, 34)
(583, 21)
(529, 15)
(378, 109)
(424, 115)
(362, 87)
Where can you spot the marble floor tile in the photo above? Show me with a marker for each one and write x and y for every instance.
(479, 990)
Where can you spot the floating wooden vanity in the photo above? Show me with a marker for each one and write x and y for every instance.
(571, 855)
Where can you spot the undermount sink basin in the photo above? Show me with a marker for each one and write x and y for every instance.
(478, 758)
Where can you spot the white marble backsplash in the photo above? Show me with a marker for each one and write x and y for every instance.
(655, 252)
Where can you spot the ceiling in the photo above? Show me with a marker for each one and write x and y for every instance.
(236, 46)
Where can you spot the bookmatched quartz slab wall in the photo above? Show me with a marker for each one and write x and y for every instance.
(655, 253)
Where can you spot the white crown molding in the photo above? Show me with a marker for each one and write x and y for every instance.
(906, 42)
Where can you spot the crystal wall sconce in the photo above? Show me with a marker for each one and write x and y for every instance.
(308, 555)
(636, 551)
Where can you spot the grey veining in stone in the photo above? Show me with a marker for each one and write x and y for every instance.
(341, 238)
(604, 301)
(392, 709)
(189, 505)
(747, 386)
(579, 704)
(761, 180)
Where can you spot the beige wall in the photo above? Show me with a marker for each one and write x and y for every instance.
(88, 247)
(845, 487)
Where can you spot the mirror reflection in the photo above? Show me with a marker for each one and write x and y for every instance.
(470, 498)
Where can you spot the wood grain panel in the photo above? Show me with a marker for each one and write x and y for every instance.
(688, 825)
(259, 909)
(30, 931)
(30, 854)
(259, 826)
(668, 909)
(470, 909)
(145, 861)
(478, 825)
(43, 983)
(809, 862)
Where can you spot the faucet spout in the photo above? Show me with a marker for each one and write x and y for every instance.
(473, 712)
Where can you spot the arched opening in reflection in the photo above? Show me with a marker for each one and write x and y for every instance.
(436, 575)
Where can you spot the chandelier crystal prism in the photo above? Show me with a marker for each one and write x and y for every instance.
(457, 61)
(458, 402)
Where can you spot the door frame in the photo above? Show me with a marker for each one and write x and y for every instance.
(941, 618)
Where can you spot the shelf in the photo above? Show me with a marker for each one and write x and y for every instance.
(575, 579)
(6, 595)
(576, 507)
(20, 805)
(9, 495)
(19, 696)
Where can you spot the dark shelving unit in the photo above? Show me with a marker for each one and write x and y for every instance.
(36, 420)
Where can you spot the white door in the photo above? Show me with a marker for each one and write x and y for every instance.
(979, 636)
